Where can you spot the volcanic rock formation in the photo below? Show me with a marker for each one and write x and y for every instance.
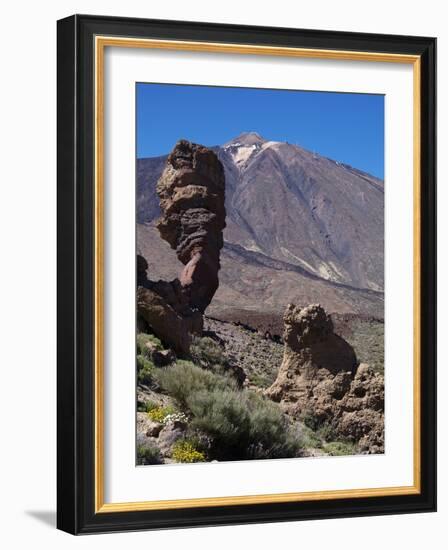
(319, 378)
(191, 191)
(162, 308)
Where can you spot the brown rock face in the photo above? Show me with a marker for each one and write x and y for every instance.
(315, 359)
(319, 377)
(191, 191)
(162, 307)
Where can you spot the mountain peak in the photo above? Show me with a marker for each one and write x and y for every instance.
(242, 148)
(246, 139)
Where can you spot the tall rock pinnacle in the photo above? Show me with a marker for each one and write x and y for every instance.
(191, 191)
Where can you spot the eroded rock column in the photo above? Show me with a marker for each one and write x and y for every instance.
(320, 378)
(191, 191)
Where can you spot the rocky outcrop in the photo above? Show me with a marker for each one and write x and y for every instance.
(316, 361)
(361, 411)
(319, 379)
(163, 310)
(191, 192)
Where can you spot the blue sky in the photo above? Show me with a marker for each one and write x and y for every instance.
(345, 127)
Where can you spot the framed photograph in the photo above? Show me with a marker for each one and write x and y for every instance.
(246, 274)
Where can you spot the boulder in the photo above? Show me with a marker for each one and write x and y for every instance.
(170, 434)
(160, 357)
(164, 321)
(146, 426)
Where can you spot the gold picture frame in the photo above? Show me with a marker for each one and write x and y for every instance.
(92, 31)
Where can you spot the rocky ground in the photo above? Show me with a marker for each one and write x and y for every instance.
(260, 357)
(259, 350)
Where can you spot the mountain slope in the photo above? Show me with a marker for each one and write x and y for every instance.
(296, 206)
(250, 282)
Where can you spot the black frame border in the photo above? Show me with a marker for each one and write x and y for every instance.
(76, 262)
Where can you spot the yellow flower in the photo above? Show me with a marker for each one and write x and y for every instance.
(184, 451)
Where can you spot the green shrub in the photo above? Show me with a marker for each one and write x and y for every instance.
(240, 423)
(260, 379)
(320, 433)
(323, 428)
(207, 352)
(326, 432)
(184, 378)
(143, 339)
(310, 439)
(150, 405)
(339, 448)
(146, 406)
(145, 370)
(184, 363)
(310, 421)
(148, 454)
(186, 451)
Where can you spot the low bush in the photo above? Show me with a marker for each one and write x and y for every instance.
(309, 438)
(150, 405)
(186, 451)
(326, 432)
(339, 448)
(184, 379)
(310, 421)
(260, 379)
(146, 405)
(143, 339)
(241, 424)
(207, 352)
(148, 454)
(318, 433)
(145, 370)
(323, 428)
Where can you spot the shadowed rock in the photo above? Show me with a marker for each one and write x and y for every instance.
(162, 308)
(312, 354)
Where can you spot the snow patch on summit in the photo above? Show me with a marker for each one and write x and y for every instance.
(271, 144)
(241, 153)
